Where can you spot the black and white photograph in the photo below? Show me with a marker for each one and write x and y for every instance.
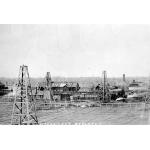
(74, 74)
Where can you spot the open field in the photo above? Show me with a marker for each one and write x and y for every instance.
(136, 114)
(119, 114)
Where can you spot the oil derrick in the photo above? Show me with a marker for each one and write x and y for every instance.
(105, 93)
(24, 110)
(49, 86)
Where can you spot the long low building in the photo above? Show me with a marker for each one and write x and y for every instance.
(60, 86)
(137, 86)
(60, 90)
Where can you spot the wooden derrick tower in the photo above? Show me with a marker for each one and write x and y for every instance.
(49, 86)
(105, 93)
(24, 110)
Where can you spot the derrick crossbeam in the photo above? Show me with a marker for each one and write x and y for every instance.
(24, 109)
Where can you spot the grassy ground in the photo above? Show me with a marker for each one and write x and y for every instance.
(108, 115)
(97, 115)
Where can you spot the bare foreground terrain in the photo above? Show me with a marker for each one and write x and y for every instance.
(122, 114)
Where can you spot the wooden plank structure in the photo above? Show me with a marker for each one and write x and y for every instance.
(24, 110)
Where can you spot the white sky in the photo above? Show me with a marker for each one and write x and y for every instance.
(75, 50)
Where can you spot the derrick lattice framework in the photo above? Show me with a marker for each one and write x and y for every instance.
(105, 92)
(49, 86)
(24, 109)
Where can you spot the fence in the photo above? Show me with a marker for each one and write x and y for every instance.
(107, 108)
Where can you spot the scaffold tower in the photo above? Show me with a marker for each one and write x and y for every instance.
(24, 109)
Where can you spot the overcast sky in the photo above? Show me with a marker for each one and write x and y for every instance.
(75, 50)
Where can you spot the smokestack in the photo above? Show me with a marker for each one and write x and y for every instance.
(104, 74)
(124, 78)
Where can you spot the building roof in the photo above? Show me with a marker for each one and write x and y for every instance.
(136, 84)
(60, 84)
(115, 90)
(72, 84)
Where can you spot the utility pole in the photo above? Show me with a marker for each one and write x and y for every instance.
(24, 110)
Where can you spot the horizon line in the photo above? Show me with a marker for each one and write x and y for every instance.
(82, 77)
